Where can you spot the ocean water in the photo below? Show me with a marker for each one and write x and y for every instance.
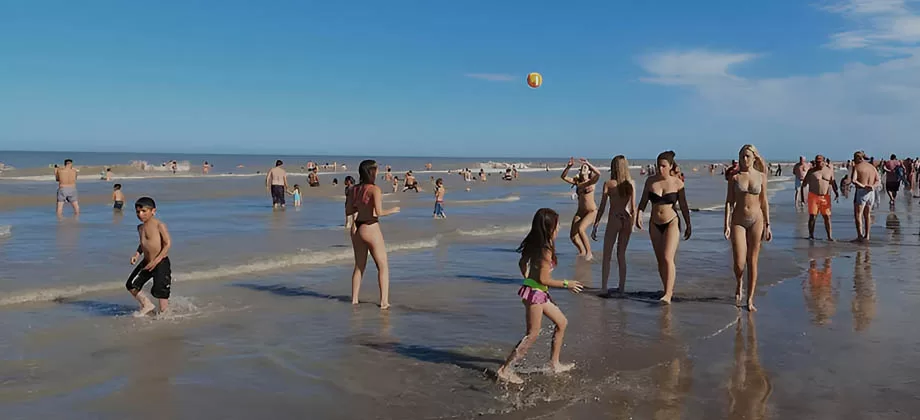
(263, 324)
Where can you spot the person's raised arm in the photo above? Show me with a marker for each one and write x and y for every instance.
(684, 210)
(595, 173)
(765, 208)
(565, 172)
(378, 204)
(729, 205)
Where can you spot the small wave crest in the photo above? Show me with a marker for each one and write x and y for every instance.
(508, 199)
(494, 230)
(6, 231)
(292, 260)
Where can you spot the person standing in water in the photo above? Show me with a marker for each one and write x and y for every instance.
(583, 183)
(865, 181)
(67, 187)
(799, 170)
(439, 199)
(276, 182)
(620, 190)
(747, 219)
(664, 189)
(819, 180)
(538, 258)
(365, 202)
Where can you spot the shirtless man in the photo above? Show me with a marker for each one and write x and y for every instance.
(67, 187)
(276, 182)
(865, 180)
(799, 170)
(819, 180)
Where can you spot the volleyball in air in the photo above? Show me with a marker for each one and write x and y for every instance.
(534, 80)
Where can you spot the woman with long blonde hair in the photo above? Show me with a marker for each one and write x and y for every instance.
(620, 190)
(747, 218)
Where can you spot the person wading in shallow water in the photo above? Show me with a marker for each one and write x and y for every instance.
(819, 180)
(583, 183)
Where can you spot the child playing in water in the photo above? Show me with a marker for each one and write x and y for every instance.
(538, 258)
(395, 183)
(349, 218)
(439, 199)
(296, 193)
(154, 246)
(118, 198)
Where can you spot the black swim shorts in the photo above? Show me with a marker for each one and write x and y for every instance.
(161, 275)
(278, 194)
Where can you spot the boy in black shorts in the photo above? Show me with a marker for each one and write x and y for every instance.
(154, 245)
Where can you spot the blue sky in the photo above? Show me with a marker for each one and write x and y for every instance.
(447, 78)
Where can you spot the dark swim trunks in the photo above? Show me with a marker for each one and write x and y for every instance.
(161, 275)
(278, 194)
(119, 204)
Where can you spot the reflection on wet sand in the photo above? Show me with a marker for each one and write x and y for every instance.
(149, 391)
(820, 297)
(863, 304)
(893, 224)
(673, 378)
(749, 386)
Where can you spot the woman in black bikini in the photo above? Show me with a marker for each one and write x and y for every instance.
(584, 182)
(664, 189)
(747, 218)
(365, 202)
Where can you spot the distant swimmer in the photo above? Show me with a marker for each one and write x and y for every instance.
(583, 183)
(388, 176)
(865, 181)
(395, 183)
(277, 183)
(313, 178)
(428, 166)
(482, 175)
(118, 197)
(66, 178)
(296, 195)
(664, 190)
(747, 219)
(205, 167)
(411, 183)
(538, 258)
(154, 247)
(439, 199)
(819, 180)
(365, 202)
(798, 171)
(620, 191)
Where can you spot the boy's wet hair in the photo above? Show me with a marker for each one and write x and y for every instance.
(145, 202)
(279, 162)
(66, 161)
(117, 186)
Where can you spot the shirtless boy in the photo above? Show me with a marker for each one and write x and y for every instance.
(154, 246)
(118, 197)
(67, 187)
(819, 180)
(865, 181)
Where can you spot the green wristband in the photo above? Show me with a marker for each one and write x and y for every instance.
(565, 284)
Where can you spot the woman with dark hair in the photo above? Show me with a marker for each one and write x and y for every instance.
(664, 189)
(747, 218)
(364, 202)
(583, 183)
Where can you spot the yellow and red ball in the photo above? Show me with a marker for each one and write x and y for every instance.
(534, 80)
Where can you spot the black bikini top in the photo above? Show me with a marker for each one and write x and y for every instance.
(669, 198)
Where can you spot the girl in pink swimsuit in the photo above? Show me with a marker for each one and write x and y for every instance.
(538, 258)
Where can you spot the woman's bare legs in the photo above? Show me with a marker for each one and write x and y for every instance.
(665, 246)
(622, 243)
(574, 236)
(739, 258)
(373, 238)
(534, 315)
(360, 264)
(586, 220)
(610, 239)
(754, 236)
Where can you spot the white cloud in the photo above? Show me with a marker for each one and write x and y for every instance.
(882, 24)
(492, 77)
(690, 67)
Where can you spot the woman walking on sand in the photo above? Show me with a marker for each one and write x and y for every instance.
(587, 208)
(663, 190)
(620, 190)
(747, 219)
(365, 203)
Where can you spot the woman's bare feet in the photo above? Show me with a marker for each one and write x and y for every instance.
(666, 299)
(738, 299)
(750, 305)
(384, 306)
(507, 375)
(561, 367)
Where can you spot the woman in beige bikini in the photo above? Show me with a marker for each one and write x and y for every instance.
(747, 218)
(620, 190)
(663, 190)
(587, 208)
(365, 202)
